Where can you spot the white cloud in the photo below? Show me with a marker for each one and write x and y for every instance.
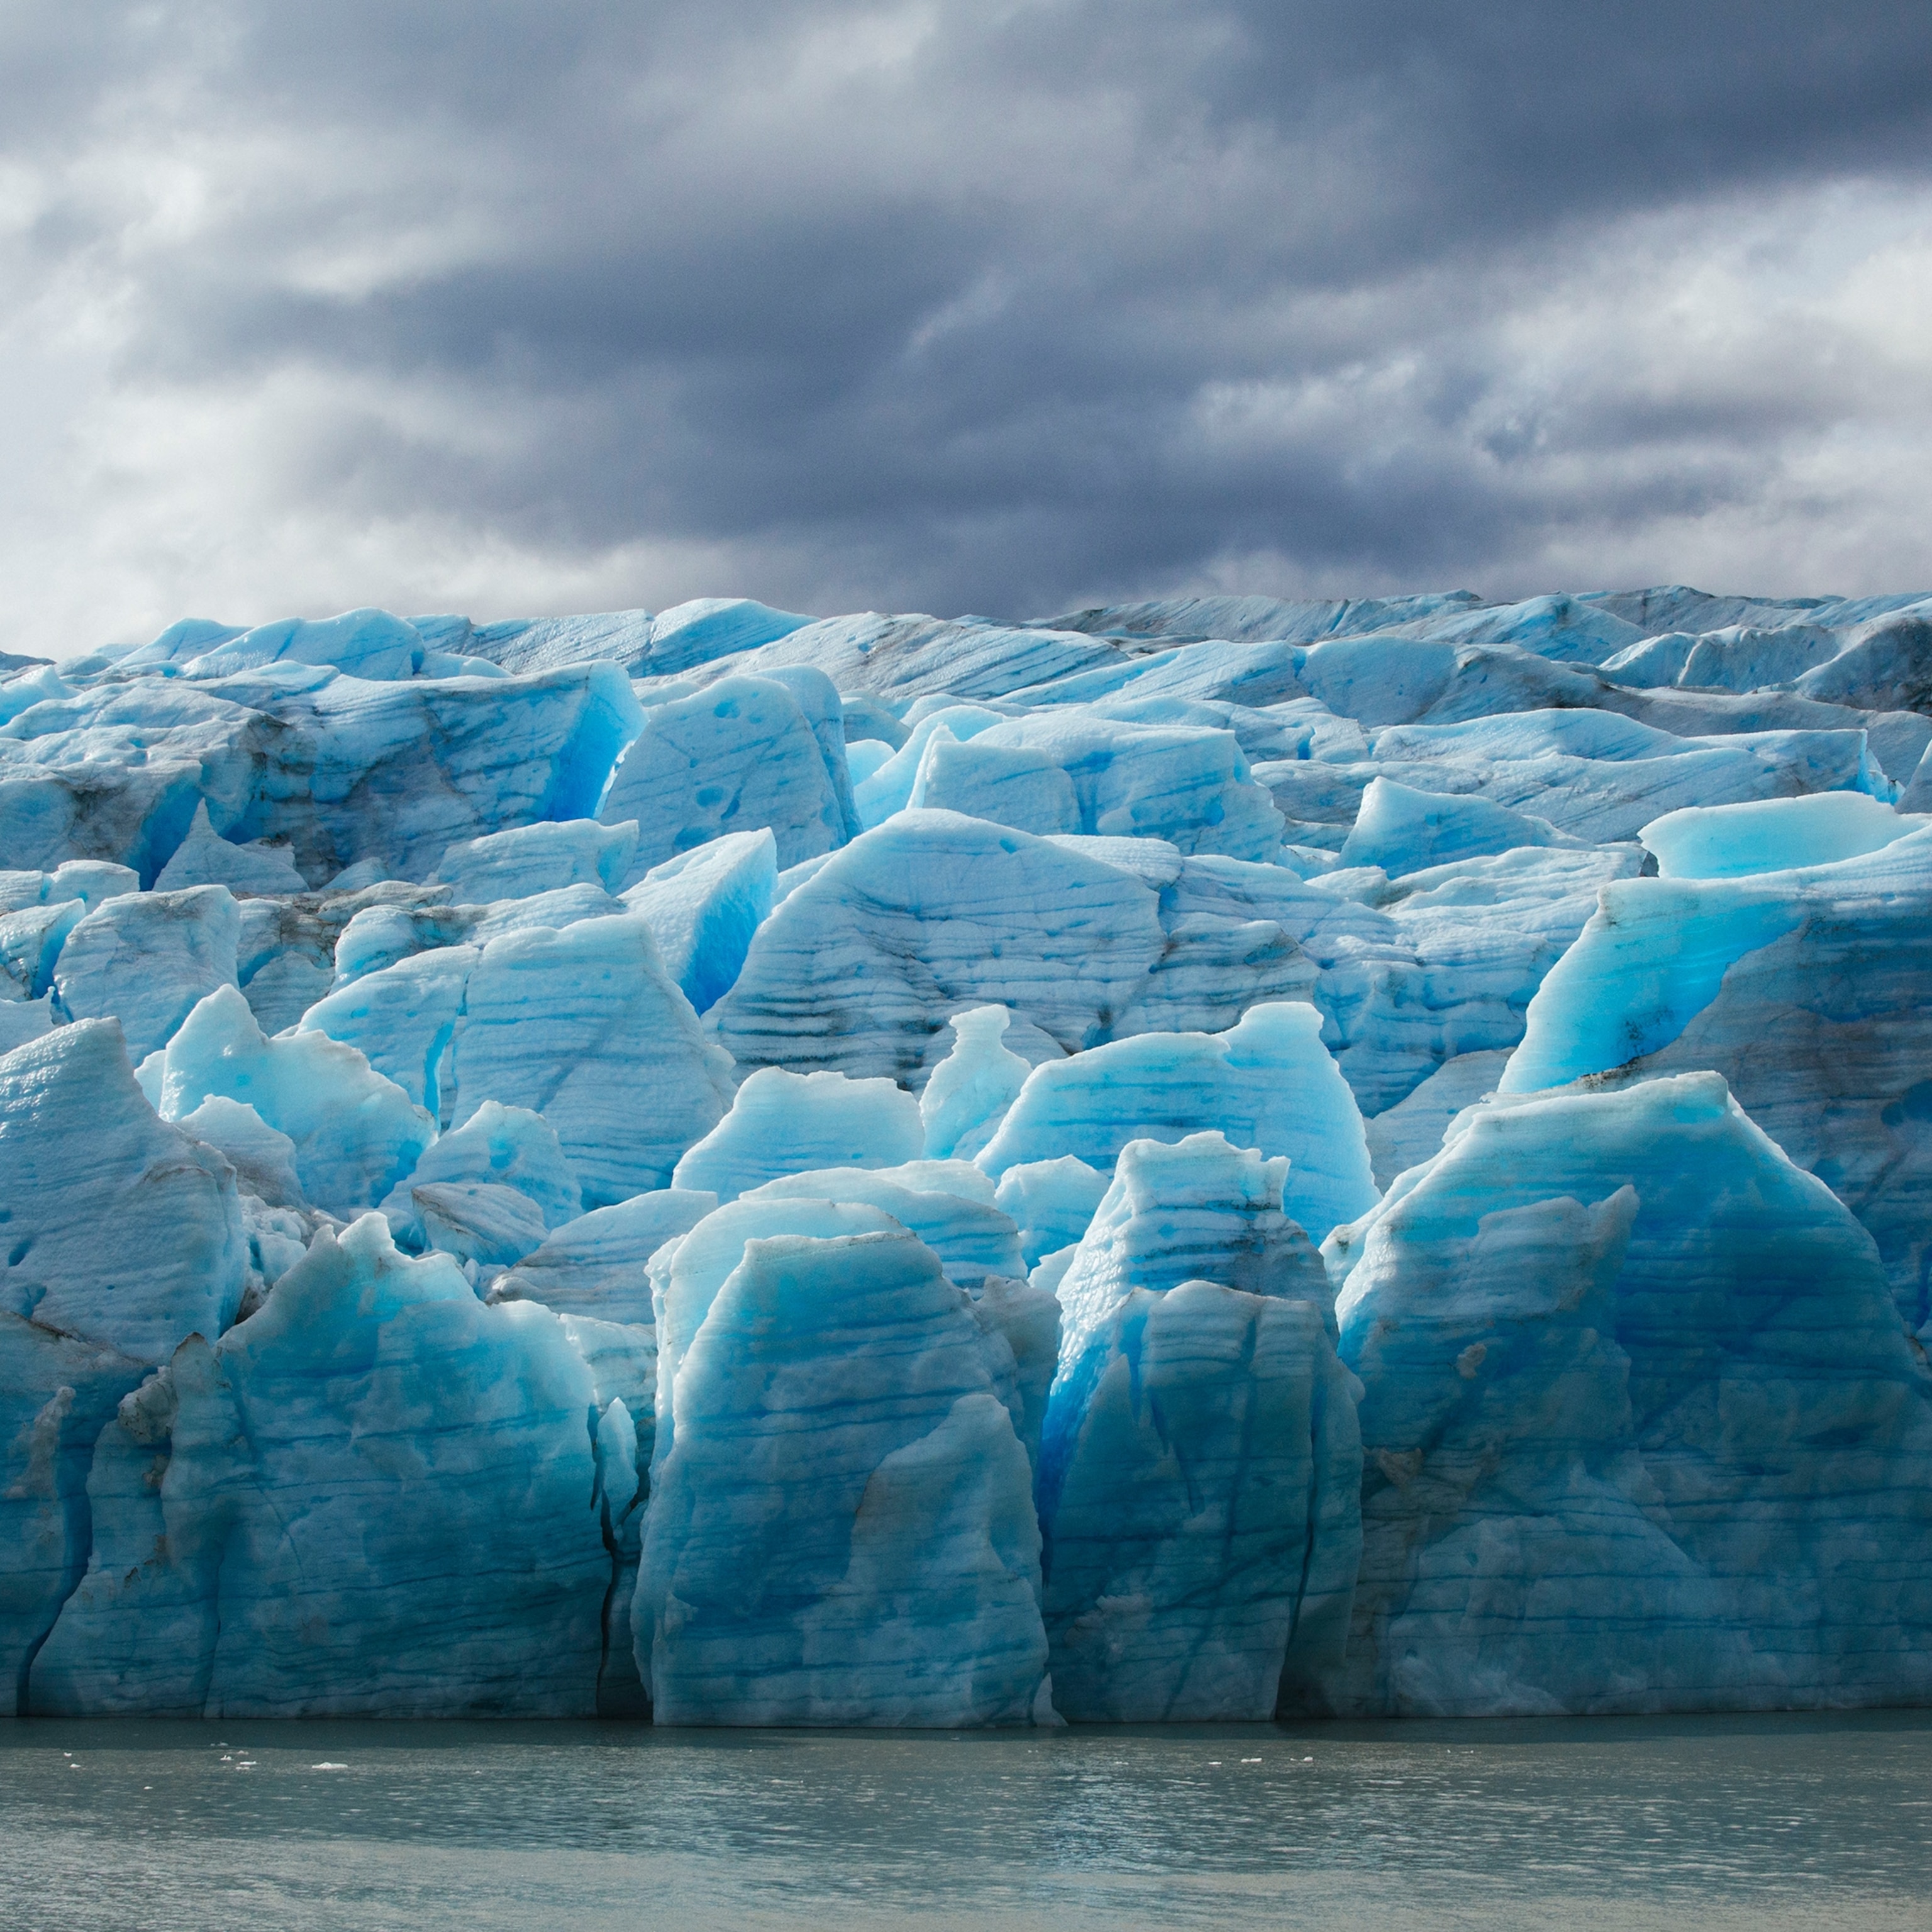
(905, 305)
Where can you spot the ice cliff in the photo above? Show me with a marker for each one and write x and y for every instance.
(1184, 1160)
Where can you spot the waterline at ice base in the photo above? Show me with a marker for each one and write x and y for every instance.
(1208, 1159)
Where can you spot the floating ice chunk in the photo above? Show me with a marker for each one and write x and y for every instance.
(737, 756)
(543, 858)
(346, 1473)
(703, 908)
(582, 1027)
(1402, 830)
(1729, 841)
(356, 1134)
(1019, 785)
(973, 1239)
(1268, 1083)
(930, 912)
(1643, 1430)
(1202, 1513)
(1052, 1201)
(401, 1018)
(119, 1230)
(30, 943)
(597, 1265)
(972, 1086)
(509, 1147)
(843, 1530)
(264, 1159)
(147, 959)
(783, 1123)
(204, 858)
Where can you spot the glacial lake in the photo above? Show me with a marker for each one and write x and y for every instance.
(1763, 1823)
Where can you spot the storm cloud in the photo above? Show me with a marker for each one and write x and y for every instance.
(998, 307)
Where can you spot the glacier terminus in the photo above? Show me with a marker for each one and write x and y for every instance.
(1212, 1159)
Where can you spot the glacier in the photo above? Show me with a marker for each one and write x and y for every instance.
(1205, 1159)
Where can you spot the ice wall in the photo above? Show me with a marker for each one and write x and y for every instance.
(756, 1169)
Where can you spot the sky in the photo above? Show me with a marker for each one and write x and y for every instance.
(1006, 307)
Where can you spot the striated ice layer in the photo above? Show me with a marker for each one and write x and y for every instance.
(1199, 1462)
(204, 858)
(783, 1123)
(1268, 1083)
(703, 908)
(972, 1238)
(147, 959)
(119, 1229)
(1805, 989)
(1642, 1429)
(355, 1133)
(843, 1530)
(598, 1265)
(532, 859)
(583, 1027)
(341, 1479)
(1728, 842)
(740, 757)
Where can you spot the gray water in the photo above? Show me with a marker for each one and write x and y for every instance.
(1716, 1822)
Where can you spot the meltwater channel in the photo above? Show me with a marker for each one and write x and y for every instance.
(1759, 1822)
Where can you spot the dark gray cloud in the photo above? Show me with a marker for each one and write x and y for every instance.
(956, 306)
